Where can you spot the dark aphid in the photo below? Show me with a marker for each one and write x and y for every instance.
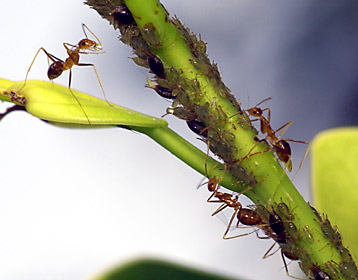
(277, 227)
(123, 15)
(198, 127)
(156, 66)
(319, 274)
(162, 91)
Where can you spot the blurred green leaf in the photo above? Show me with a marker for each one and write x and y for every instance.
(150, 269)
(335, 180)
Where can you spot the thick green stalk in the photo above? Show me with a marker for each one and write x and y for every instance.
(199, 89)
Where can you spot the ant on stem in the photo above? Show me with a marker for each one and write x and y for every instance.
(279, 145)
(245, 216)
(84, 46)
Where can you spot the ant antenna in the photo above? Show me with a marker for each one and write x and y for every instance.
(266, 99)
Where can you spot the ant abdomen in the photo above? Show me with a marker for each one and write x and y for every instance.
(248, 217)
(55, 70)
(283, 151)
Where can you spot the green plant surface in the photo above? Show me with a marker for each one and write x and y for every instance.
(335, 180)
(223, 117)
(147, 269)
(264, 168)
(55, 103)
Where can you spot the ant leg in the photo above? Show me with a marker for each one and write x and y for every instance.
(267, 255)
(99, 80)
(49, 56)
(283, 128)
(285, 264)
(268, 114)
(249, 154)
(230, 223)
(74, 96)
(222, 207)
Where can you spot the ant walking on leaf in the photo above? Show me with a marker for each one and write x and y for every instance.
(84, 46)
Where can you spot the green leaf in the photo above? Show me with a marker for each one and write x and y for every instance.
(55, 103)
(335, 180)
(146, 269)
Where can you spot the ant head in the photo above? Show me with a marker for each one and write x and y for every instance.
(255, 112)
(87, 44)
(212, 184)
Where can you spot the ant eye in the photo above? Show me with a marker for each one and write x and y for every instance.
(83, 43)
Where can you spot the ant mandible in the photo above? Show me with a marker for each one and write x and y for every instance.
(280, 146)
(84, 46)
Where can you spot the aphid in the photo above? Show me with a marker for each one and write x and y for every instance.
(280, 146)
(308, 235)
(149, 35)
(122, 14)
(348, 270)
(331, 233)
(16, 97)
(198, 127)
(277, 226)
(291, 230)
(156, 66)
(162, 91)
(331, 270)
(283, 211)
(318, 274)
(84, 46)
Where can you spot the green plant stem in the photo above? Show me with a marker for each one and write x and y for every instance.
(188, 153)
(273, 185)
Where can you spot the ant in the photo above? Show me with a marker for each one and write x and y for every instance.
(84, 46)
(244, 215)
(280, 146)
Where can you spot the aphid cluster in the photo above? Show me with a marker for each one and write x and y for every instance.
(169, 82)
(209, 120)
(15, 97)
(346, 267)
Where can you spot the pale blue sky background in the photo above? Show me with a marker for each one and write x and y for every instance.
(74, 202)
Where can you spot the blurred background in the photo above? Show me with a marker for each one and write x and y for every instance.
(75, 202)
